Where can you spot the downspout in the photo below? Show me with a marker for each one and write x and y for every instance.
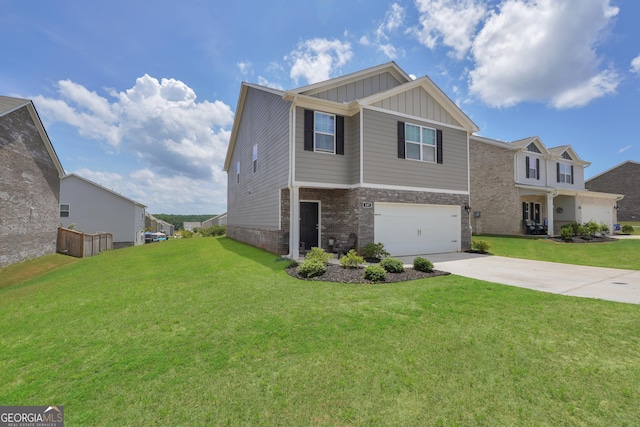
(469, 183)
(293, 192)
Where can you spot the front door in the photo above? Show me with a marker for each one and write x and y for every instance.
(309, 225)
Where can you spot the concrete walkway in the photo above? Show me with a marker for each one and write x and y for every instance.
(566, 279)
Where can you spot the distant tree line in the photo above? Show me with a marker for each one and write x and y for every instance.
(179, 220)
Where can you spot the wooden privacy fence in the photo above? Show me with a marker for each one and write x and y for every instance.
(80, 245)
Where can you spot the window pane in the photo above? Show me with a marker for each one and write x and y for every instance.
(428, 153)
(413, 151)
(412, 133)
(64, 207)
(324, 142)
(324, 123)
(428, 136)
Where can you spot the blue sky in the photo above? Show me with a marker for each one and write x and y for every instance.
(139, 96)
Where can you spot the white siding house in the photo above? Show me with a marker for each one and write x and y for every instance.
(93, 208)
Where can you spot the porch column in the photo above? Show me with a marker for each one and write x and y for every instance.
(549, 213)
(294, 223)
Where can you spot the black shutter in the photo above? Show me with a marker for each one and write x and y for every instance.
(439, 146)
(557, 172)
(308, 130)
(339, 135)
(401, 153)
(572, 174)
(538, 169)
(526, 166)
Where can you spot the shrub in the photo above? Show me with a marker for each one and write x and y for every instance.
(215, 230)
(566, 232)
(591, 228)
(187, 234)
(374, 250)
(584, 232)
(351, 260)
(575, 228)
(480, 246)
(311, 268)
(627, 229)
(422, 264)
(604, 228)
(375, 273)
(392, 265)
(317, 254)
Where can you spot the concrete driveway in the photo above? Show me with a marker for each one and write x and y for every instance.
(566, 279)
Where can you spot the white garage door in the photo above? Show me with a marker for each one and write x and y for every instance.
(408, 229)
(597, 214)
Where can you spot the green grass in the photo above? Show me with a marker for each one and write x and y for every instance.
(623, 254)
(209, 331)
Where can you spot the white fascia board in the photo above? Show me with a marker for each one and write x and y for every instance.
(314, 103)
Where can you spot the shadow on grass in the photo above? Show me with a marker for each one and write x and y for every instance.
(261, 256)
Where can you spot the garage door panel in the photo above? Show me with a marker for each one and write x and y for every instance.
(411, 229)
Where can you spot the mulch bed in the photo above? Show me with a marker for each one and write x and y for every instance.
(335, 273)
(578, 239)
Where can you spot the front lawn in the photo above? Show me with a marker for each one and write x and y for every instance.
(209, 331)
(623, 254)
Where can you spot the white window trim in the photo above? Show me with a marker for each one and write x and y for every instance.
(68, 210)
(421, 143)
(533, 171)
(315, 132)
(565, 177)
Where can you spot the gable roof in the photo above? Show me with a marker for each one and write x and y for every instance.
(557, 153)
(73, 175)
(631, 162)
(9, 105)
(525, 142)
(390, 67)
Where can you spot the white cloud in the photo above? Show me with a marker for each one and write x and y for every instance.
(316, 60)
(262, 81)
(623, 149)
(543, 51)
(450, 22)
(160, 121)
(244, 67)
(635, 65)
(393, 21)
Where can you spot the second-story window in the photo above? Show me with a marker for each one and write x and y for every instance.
(565, 173)
(255, 158)
(421, 143)
(238, 172)
(532, 166)
(325, 131)
(64, 211)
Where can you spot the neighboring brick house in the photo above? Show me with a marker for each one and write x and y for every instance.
(375, 153)
(525, 180)
(30, 174)
(93, 208)
(623, 178)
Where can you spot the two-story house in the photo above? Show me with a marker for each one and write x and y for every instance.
(373, 153)
(525, 180)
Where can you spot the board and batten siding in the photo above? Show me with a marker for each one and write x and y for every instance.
(327, 168)
(382, 165)
(417, 102)
(360, 89)
(254, 201)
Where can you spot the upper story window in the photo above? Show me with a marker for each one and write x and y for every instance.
(566, 155)
(255, 158)
(532, 167)
(565, 173)
(323, 132)
(64, 211)
(533, 148)
(238, 172)
(420, 143)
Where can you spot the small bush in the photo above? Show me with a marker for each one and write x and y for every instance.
(317, 254)
(627, 229)
(351, 260)
(311, 268)
(566, 232)
(480, 246)
(216, 230)
(575, 228)
(187, 234)
(422, 264)
(375, 273)
(604, 228)
(591, 228)
(374, 250)
(392, 265)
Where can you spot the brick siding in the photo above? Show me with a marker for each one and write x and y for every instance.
(624, 179)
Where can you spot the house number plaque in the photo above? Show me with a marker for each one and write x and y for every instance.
(367, 204)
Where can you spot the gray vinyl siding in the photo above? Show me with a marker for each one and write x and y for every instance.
(382, 165)
(255, 201)
(417, 102)
(326, 168)
(360, 89)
